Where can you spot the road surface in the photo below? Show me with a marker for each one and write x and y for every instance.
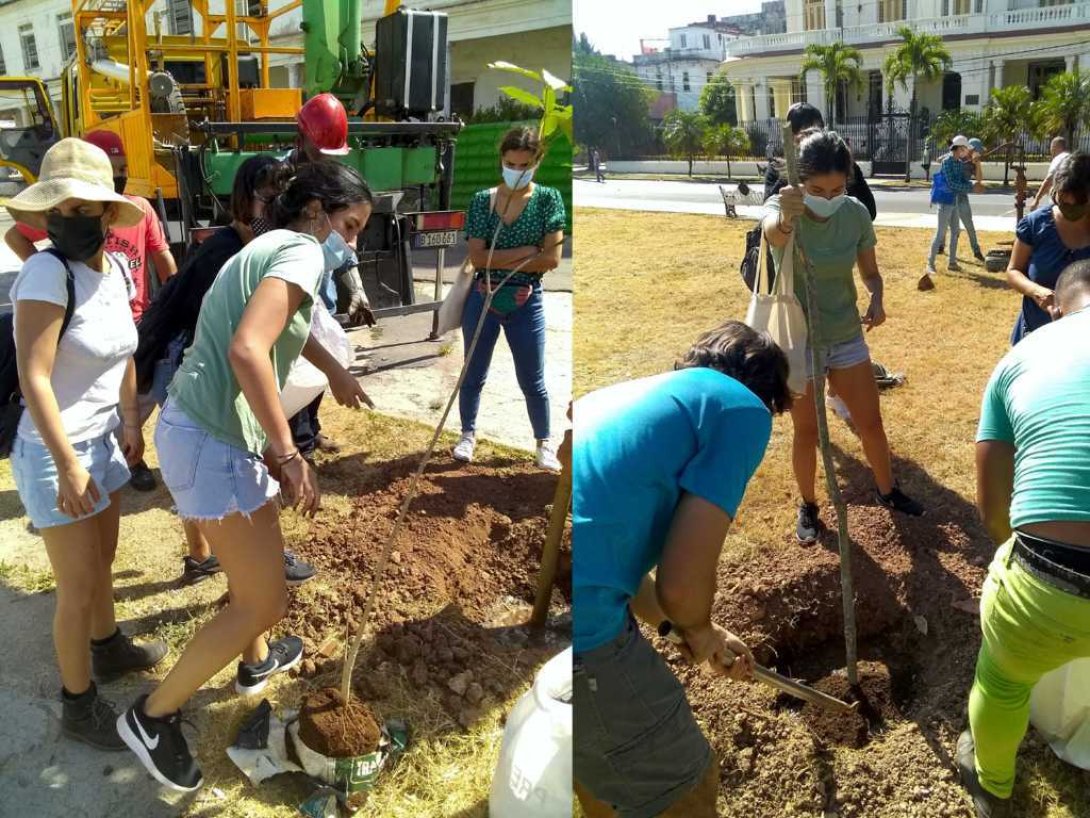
(904, 207)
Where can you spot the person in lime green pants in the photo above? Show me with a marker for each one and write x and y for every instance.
(1033, 491)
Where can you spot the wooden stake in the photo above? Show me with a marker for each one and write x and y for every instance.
(551, 552)
(817, 363)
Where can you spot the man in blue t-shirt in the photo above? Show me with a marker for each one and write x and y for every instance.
(1033, 491)
(660, 467)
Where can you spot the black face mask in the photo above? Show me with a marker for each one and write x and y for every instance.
(119, 184)
(77, 237)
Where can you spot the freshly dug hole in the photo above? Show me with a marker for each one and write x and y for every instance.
(876, 706)
(326, 726)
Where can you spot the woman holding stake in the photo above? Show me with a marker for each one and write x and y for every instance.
(529, 219)
(222, 414)
(837, 232)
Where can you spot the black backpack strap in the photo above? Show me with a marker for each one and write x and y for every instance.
(69, 286)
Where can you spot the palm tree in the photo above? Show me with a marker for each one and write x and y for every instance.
(918, 57)
(838, 64)
(1005, 117)
(726, 140)
(1064, 106)
(683, 132)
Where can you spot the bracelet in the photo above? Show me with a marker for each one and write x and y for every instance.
(134, 425)
(779, 226)
(285, 459)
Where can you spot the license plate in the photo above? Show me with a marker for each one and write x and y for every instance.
(442, 238)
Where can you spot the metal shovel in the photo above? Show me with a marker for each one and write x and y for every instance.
(774, 679)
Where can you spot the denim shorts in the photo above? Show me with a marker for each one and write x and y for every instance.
(165, 369)
(36, 477)
(640, 748)
(842, 356)
(208, 478)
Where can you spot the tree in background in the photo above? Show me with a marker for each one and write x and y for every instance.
(717, 101)
(956, 121)
(612, 105)
(839, 65)
(727, 141)
(918, 57)
(1064, 106)
(683, 132)
(1005, 117)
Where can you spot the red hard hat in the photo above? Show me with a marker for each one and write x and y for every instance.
(109, 141)
(324, 122)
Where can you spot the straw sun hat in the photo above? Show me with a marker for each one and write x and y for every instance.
(71, 169)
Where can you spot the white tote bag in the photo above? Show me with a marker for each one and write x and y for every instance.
(1060, 710)
(450, 311)
(454, 304)
(305, 381)
(778, 312)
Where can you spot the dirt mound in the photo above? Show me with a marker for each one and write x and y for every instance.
(917, 653)
(327, 727)
(473, 541)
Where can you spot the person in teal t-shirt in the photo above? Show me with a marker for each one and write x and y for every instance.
(660, 465)
(1033, 491)
(836, 233)
(527, 245)
(222, 414)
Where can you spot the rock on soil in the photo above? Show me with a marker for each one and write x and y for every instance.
(326, 727)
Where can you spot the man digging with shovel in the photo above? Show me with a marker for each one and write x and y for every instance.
(661, 465)
(1033, 491)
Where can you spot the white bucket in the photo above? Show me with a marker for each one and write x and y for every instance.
(534, 774)
(305, 382)
(1060, 710)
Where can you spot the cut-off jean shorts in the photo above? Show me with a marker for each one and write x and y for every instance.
(208, 478)
(37, 481)
(841, 356)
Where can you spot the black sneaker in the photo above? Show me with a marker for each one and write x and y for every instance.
(296, 572)
(942, 251)
(119, 655)
(161, 747)
(986, 804)
(979, 256)
(90, 719)
(142, 479)
(897, 500)
(809, 524)
(194, 571)
(284, 654)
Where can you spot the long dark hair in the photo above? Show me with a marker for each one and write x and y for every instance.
(255, 173)
(752, 358)
(334, 185)
(824, 152)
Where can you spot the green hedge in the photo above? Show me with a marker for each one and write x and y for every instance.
(476, 164)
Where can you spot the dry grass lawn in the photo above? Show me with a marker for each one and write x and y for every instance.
(447, 772)
(648, 284)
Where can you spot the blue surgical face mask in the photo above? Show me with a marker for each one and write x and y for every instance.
(824, 208)
(337, 251)
(517, 179)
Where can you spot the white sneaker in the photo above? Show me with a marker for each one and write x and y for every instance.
(463, 449)
(546, 456)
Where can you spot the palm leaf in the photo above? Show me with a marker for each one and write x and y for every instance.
(521, 95)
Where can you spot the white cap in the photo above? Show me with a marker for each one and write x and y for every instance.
(959, 141)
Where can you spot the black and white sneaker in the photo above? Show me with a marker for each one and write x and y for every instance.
(296, 572)
(284, 654)
(194, 572)
(161, 747)
(808, 524)
(897, 500)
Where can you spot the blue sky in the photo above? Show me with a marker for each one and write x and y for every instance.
(616, 26)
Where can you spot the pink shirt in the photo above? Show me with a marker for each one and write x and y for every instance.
(131, 246)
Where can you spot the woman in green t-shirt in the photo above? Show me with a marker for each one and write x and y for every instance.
(836, 231)
(222, 415)
(531, 239)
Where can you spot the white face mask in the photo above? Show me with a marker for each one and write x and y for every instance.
(336, 249)
(517, 179)
(824, 208)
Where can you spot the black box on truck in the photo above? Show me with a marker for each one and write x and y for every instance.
(411, 63)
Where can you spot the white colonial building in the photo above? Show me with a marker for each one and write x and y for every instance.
(682, 68)
(993, 44)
